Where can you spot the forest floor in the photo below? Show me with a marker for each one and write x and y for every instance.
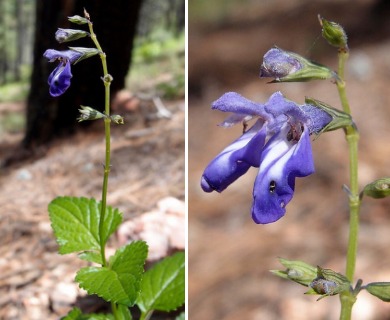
(229, 255)
(147, 176)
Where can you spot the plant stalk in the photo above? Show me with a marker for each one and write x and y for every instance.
(107, 166)
(348, 298)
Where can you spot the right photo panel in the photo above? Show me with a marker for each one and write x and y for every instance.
(288, 175)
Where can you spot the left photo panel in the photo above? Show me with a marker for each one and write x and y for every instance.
(92, 159)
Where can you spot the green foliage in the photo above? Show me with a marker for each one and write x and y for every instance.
(15, 91)
(123, 313)
(120, 282)
(162, 287)
(181, 316)
(75, 222)
(76, 314)
(158, 62)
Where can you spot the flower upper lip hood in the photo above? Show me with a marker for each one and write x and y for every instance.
(278, 143)
(59, 79)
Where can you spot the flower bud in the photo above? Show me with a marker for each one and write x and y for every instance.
(378, 189)
(88, 113)
(85, 52)
(380, 290)
(117, 119)
(328, 283)
(287, 66)
(297, 271)
(333, 33)
(66, 35)
(78, 19)
(339, 120)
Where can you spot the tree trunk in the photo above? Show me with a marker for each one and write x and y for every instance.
(115, 24)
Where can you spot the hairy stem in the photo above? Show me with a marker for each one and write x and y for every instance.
(107, 166)
(348, 298)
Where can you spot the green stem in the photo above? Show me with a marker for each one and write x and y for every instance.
(146, 315)
(107, 166)
(348, 298)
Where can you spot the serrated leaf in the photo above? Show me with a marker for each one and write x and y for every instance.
(75, 222)
(76, 314)
(162, 287)
(181, 316)
(380, 290)
(120, 282)
(91, 256)
(73, 314)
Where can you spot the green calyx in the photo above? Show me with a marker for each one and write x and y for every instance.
(78, 19)
(328, 283)
(333, 33)
(310, 71)
(88, 113)
(66, 35)
(297, 271)
(378, 189)
(339, 120)
(86, 52)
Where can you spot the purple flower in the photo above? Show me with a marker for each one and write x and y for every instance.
(278, 143)
(285, 66)
(59, 79)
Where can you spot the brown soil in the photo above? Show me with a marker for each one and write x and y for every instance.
(229, 255)
(147, 166)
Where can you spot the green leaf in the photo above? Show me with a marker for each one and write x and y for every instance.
(181, 316)
(380, 290)
(162, 287)
(76, 314)
(120, 282)
(75, 222)
(123, 312)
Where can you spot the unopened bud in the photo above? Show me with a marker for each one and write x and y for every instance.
(78, 19)
(378, 189)
(88, 113)
(287, 66)
(333, 33)
(66, 35)
(328, 283)
(297, 271)
(117, 119)
(380, 290)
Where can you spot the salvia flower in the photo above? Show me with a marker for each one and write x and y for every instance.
(285, 66)
(66, 35)
(278, 143)
(59, 79)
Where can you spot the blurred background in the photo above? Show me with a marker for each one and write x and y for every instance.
(229, 255)
(45, 152)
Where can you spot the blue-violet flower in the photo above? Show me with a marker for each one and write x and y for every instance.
(285, 66)
(278, 143)
(59, 79)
